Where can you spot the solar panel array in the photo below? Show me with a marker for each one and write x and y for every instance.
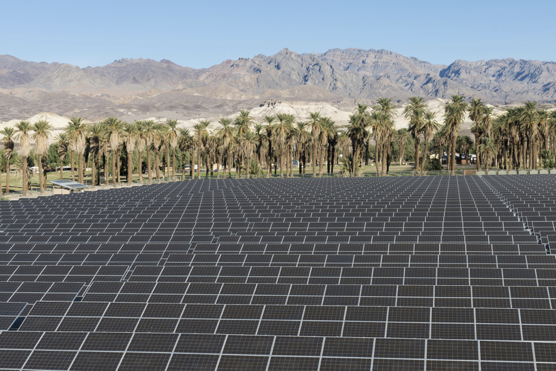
(407, 273)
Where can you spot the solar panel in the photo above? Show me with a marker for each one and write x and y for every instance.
(338, 273)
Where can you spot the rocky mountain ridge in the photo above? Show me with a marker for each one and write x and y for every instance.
(138, 87)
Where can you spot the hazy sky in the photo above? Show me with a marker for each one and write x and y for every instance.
(203, 33)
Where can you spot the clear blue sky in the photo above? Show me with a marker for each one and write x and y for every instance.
(203, 33)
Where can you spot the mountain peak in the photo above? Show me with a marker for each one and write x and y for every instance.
(353, 73)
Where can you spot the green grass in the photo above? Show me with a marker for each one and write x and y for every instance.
(368, 170)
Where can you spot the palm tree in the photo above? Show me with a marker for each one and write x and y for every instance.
(260, 133)
(96, 131)
(544, 127)
(438, 142)
(269, 134)
(454, 113)
(226, 133)
(158, 142)
(149, 129)
(486, 119)
(201, 138)
(328, 129)
(402, 140)
(113, 128)
(130, 140)
(242, 123)
(386, 106)
(63, 146)
(487, 150)
(77, 133)
(280, 135)
(9, 134)
(464, 143)
(416, 124)
(415, 106)
(530, 119)
(303, 139)
(315, 122)
(357, 133)
(478, 132)
(141, 143)
(173, 135)
(185, 144)
(387, 110)
(249, 141)
(42, 132)
(24, 135)
(430, 125)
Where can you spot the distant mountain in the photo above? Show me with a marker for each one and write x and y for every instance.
(144, 86)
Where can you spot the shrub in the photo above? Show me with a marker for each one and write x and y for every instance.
(548, 161)
(433, 165)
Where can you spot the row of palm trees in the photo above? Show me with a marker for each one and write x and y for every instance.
(519, 138)
(511, 140)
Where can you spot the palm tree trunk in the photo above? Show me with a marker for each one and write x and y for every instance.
(168, 161)
(248, 160)
(129, 168)
(454, 143)
(192, 164)
(174, 163)
(156, 163)
(230, 162)
(61, 168)
(384, 157)
(106, 172)
(377, 146)
(314, 158)
(417, 152)
(533, 154)
(25, 176)
(183, 165)
(268, 164)
(477, 141)
(198, 163)
(282, 164)
(8, 175)
(140, 153)
(114, 168)
(93, 168)
(506, 155)
(515, 160)
(72, 171)
(423, 162)
(80, 168)
(206, 166)
(331, 159)
(321, 161)
(328, 150)
(40, 173)
(237, 162)
(45, 179)
(119, 166)
(523, 150)
(367, 153)
(149, 168)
